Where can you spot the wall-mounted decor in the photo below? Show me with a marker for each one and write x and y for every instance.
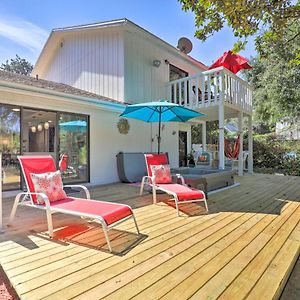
(123, 126)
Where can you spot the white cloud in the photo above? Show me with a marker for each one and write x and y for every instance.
(23, 33)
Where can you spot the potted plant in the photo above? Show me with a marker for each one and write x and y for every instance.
(190, 160)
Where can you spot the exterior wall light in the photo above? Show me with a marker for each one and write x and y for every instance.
(156, 63)
(46, 125)
(33, 129)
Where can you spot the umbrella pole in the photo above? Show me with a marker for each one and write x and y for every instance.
(158, 138)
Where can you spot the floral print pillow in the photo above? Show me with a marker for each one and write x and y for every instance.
(162, 173)
(50, 184)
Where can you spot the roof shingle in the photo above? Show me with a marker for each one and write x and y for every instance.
(51, 85)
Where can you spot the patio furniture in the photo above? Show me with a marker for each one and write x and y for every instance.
(193, 180)
(105, 213)
(235, 162)
(180, 193)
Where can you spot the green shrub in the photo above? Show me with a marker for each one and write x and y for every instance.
(269, 154)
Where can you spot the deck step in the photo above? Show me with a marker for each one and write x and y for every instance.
(292, 289)
(273, 281)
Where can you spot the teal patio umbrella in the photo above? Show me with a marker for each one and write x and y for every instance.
(161, 111)
(74, 126)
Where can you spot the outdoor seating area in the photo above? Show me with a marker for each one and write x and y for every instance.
(244, 247)
(45, 192)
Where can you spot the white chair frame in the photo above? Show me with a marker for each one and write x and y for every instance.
(150, 180)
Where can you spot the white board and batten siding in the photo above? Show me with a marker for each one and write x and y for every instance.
(143, 81)
(117, 62)
(90, 60)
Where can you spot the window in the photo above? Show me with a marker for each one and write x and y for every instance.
(175, 74)
(39, 131)
(10, 146)
(73, 147)
(64, 136)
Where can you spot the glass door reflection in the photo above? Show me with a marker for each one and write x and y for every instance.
(10, 146)
(73, 145)
(38, 132)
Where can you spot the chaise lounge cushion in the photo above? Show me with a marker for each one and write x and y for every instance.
(110, 212)
(50, 184)
(162, 173)
(183, 192)
(155, 160)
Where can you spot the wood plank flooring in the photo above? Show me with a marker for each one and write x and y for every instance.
(244, 248)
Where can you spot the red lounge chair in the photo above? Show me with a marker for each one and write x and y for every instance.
(181, 193)
(106, 213)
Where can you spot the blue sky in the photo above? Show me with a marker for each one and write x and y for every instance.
(25, 25)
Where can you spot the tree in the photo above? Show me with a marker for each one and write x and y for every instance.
(267, 19)
(17, 65)
(212, 135)
(276, 80)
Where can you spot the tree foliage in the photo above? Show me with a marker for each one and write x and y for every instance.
(270, 155)
(276, 80)
(212, 133)
(266, 19)
(17, 65)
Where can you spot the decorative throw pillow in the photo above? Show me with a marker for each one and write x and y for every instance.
(50, 184)
(162, 173)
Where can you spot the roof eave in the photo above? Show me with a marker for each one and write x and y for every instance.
(83, 100)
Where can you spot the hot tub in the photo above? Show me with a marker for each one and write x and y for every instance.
(215, 178)
(132, 167)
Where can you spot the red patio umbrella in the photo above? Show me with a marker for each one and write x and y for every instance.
(232, 62)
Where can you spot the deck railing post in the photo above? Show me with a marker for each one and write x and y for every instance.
(250, 145)
(204, 145)
(240, 159)
(169, 92)
(221, 136)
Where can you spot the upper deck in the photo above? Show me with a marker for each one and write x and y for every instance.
(206, 90)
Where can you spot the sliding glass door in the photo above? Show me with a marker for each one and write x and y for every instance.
(29, 131)
(73, 147)
(39, 132)
(10, 146)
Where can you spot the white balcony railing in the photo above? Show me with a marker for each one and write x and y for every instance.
(209, 88)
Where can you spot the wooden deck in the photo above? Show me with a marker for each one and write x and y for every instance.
(245, 247)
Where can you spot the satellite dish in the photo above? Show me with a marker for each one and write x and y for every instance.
(185, 45)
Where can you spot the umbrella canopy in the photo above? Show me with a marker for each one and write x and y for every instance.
(232, 62)
(161, 111)
(74, 126)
